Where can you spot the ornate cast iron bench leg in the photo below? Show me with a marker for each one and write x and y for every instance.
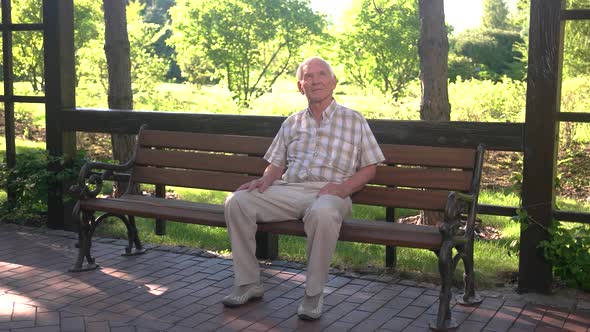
(84, 244)
(134, 247)
(444, 320)
(469, 297)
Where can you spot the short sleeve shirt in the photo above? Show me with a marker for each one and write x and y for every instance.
(332, 151)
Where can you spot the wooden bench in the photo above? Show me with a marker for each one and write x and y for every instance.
(417, 177)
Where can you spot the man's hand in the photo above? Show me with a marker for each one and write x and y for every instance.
(262, 184)
(271, 173)
(335, 189)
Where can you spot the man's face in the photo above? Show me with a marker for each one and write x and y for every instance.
(317, 83)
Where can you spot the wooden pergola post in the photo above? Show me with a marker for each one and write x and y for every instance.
(541, 139)
(58, 20)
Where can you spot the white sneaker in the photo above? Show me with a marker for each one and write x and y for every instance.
(311, 307)
(243, 294)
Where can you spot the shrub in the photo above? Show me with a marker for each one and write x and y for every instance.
(30, 180)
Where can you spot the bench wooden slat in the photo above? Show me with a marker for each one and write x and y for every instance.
(190, 178)
(430, 178)
(201, 161)
(151, 207)
(429, 156)
(386, 175)
(366, 231)
(405, 198)
(369, 231)
(250, 145)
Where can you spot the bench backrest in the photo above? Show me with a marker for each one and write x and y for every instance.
(417, 177)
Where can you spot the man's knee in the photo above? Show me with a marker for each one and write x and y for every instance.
(235, 200)
(323, 213)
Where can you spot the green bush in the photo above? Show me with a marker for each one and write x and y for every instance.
(488, 101)
(30, 180)
(568, 251)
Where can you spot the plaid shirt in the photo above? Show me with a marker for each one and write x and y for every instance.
(331, 152)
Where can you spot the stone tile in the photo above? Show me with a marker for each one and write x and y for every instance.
(371, 305)
(470, 326)
(101, 326)
(53, 328)
(481, 315)
(397, 323)
(47, 318)
(72, 324)
(411, 312)
(503, 319)
(399, 303)
(339, 326)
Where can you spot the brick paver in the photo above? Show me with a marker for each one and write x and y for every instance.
(179, 289)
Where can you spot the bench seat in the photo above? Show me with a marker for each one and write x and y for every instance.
(430, 178)
(354, 230)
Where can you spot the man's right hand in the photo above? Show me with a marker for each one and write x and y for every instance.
(262, 184)
(271, 173)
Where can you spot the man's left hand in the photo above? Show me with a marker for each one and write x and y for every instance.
(335, 189)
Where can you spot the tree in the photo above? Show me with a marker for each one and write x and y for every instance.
(576, 46)
(28, 45)
(433, 50)
(119, 70)
(156, 12)
(493, 53)
(380, 49)
(495, 15)
(88, 39)
(247, 43)
(576, 55)
(147, 68)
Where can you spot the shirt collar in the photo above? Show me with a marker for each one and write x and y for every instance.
(328, 112)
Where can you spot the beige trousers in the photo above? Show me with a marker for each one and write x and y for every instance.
(322, 217)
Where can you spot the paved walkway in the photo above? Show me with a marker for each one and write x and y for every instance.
(176, 289)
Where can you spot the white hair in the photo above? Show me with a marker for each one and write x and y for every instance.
(307, 61)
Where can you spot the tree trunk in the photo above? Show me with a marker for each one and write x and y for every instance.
(433, 49)
(119, 76)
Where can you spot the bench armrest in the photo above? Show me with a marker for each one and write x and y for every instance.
(90, 178)
(458, 204)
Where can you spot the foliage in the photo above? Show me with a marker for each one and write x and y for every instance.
(576, 55)
(495, 15)
(156, 12)
(380, 48)
(568, 250)
(492, 52)
(147, 67)
(576, 48)
(28, 45)
(88, 39)
(574, 98)
(250, 43)
(31, 180)
(488, 101)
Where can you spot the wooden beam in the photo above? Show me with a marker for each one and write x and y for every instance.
(581, 217)
(496, 136)
(573, 117)
(541, 139)
(8, 75)
(21, 27)
(575, 14)
(23, 99)
(58, 45)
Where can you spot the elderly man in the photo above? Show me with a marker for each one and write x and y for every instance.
(318, 159)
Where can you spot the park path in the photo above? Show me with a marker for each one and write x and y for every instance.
(180, 289)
